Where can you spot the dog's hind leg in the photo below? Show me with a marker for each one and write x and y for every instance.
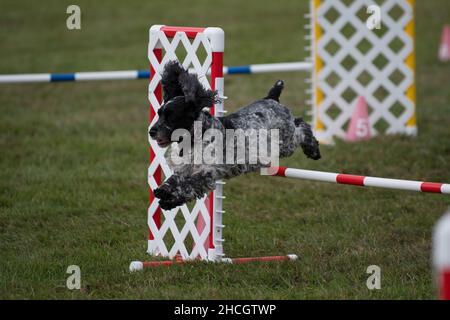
(305, 138)
(275, 91)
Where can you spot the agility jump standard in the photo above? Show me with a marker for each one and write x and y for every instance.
(362, 181)
(198, 233)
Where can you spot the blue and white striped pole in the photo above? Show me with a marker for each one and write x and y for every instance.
(145, 74)
(269, 67)
(77, 76)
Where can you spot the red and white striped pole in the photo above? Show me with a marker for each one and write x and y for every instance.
(441, 255)
(361, 181)
(140, 265)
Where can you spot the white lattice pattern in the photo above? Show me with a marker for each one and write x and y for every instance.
(176, 236)
(356, 61)
(191, 60)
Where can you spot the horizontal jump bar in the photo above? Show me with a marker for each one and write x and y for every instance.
(145, 74)
(139, 265)
(362, 181)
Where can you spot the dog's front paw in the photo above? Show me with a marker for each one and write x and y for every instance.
(170, 204)
(163, 192)
(167, 198)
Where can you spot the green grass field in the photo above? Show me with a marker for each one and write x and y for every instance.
(73, 163)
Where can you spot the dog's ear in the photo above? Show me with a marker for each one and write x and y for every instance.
(189, 86)
(170, 83)
(177, 81)
(205, 98)
(195, 93)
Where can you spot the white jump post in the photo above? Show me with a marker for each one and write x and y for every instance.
(441, 256)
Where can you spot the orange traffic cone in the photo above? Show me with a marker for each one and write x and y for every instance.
(359, 128)
(444, 49)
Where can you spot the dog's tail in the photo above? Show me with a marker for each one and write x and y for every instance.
(304, 137)
(275, 91)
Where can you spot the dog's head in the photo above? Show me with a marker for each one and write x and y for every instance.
(184, 99)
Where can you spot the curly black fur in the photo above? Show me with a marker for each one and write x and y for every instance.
(184, 101)
(176, 81)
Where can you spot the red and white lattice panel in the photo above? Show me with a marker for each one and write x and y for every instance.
(194, 231)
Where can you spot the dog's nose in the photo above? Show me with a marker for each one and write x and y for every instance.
(153, 132)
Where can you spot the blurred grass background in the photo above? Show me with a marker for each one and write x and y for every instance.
(74, 157)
